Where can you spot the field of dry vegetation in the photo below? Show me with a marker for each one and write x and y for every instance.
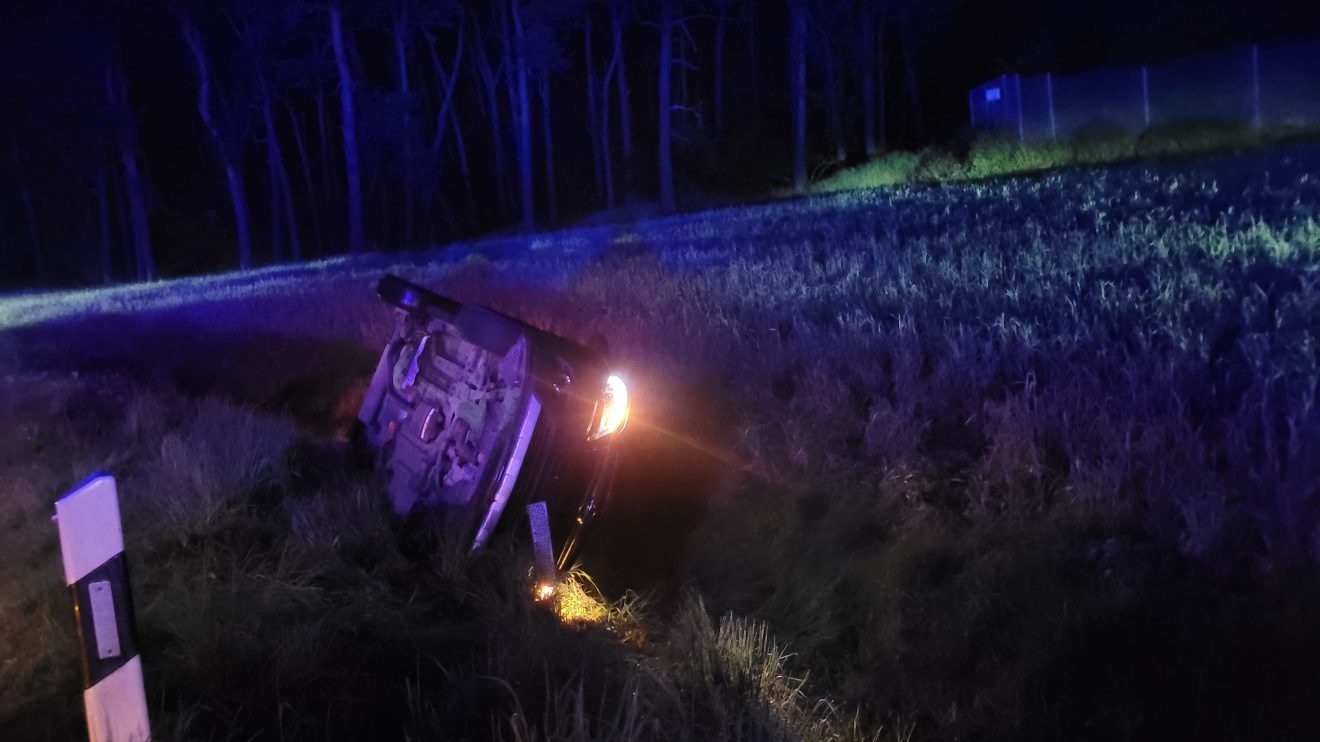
(1016, 459)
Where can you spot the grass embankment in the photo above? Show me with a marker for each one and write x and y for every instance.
(999, 154)
(278, 598)
(1010, 460)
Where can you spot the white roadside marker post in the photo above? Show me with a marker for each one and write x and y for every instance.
(92, 545)
(538, 517)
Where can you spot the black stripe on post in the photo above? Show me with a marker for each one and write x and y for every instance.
(103, 609)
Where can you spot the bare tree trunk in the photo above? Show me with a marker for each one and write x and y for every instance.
(881, 105)
(103, 220)
(281, 180)
(798, 84)
(625, 118)
(143, 260)
(868, 83)
(329, 174)
(547, 136)
(381, 234)
(137, 208)
(511, 90)
(914, 104)
(447, 213)
(503, 180)
(490, 79)
(233, 175)
(910, 82)
(552, 210)
(664, 106)
(356, 233)
(593, 105)
(607, 157)
(750, 10)
(463, 166)
(868, 113)
(400, 34)
(720, 27)
(6, 270)
(446, 115)
(30, 214)
(833, 106)
(118, 192)
(273, 187)
(307, 176)
(448, 81)
(524, 120)
(681, 54)
(144, 265)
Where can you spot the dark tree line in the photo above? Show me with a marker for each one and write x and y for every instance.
(180, 136)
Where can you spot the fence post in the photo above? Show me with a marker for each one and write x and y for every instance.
(1017, 90)
(1145, 94)
(92, 547)
(1049, 96)
(1003, 95)
(1255, 86)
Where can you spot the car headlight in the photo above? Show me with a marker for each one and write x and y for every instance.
(611, 413)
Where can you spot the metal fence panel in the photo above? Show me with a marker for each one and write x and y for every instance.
(1038, 120)
(1290, 84)
(1217, 86)
(995, 104)
(1107, 97)
(1256, 85)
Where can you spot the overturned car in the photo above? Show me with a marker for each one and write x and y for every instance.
(473, 415)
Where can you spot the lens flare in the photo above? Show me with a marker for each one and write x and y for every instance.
(545, 591)
(611, 413)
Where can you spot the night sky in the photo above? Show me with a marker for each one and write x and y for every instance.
(88, 86)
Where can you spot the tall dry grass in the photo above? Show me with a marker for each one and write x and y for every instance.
(1015, 459)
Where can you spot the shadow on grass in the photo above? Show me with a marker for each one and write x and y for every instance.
(1194, 659)
(669, 470)
(1049, 629)
(313, 380)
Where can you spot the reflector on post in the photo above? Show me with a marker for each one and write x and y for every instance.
(92, 545)
(538, 518)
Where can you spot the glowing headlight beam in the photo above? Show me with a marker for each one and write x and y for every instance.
(611, 413)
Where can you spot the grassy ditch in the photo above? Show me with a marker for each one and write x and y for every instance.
(278, 597)
(1021, 459)
(993, 155)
